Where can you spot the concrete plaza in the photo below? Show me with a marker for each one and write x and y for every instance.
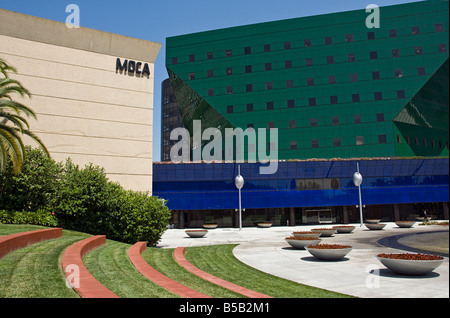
(359, 274)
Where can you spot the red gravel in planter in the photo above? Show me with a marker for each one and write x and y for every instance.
(413, 257)
(303, 232)
(329, 246)
(300, 238)
(196, 231)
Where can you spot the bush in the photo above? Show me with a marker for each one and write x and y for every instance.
(44, 218)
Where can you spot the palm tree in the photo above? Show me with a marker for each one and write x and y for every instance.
(12, 112)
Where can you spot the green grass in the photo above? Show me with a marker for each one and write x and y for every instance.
(219, 261)
(35, 271)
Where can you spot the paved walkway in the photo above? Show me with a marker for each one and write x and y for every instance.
(359, 274)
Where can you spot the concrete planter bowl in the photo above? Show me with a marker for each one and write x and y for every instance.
(411, 264)
(375, 226)
(196, 233)
(210, 226)
(344, 228)
(405, 224)
(329, 252)
(373, 220)
(307, 234)
(325, 232)
(301, 242)
(265, 225)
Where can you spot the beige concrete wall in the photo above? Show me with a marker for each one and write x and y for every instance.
(86, 110)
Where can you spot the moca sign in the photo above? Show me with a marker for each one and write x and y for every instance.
(132, 67)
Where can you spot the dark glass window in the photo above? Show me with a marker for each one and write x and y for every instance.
(378, 96)
(354, 77)
(210, 55)
(398, 73)
(248, 68)
(415, 30)
(418, 50)
(269, 86)
(247, 50)
(357, 119)
(228, 53)
(375, 75)
(373, 55)
(439, 27)
(291, 103)
(290, 84)
(251, 126)
(309, 61)
(249, 88)
(442, 48)
(416, 141)
(292, 124)
(287, 45)
(371, 35)
(328, 40)
(333, 100)
(382, 139)
(395, 52)
(351, 57)
(408, 140)
(268, 66)
(307, 43)
(355, 98)
(359, 140)
(380, 117)
(312, 101)
(393, 33)
(210, 91)
(191, 76)
(400, 94)
(335, 121)
(336, 142)
(332, 79)
(271, 124)
(229, 90)
(349, 38)
(230, 109)
(288, 64)
(174, 60)
(315, 143)
(293, 145)
(313, 122)
(310, 81)
(267, 48)
(229, 71)
(249, 107)
(210, 73)
(192, 58)
(330, 59)
(269, 105)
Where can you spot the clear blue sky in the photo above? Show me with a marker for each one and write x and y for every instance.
(155, 20)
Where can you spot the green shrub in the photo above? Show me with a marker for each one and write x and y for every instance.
(44, 218)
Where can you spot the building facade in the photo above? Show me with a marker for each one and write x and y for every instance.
(333, 87)
(92, 92)
(337, 91)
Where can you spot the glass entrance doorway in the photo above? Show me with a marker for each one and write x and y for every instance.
(318, 216)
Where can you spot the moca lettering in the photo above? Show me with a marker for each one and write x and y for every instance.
(132, 67)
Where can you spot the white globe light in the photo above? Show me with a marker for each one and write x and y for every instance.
(357, 179)
(239, 182)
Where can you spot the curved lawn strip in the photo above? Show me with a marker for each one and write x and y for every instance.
(35, 271)
(218, 260)
(111, 266)
(163, 261)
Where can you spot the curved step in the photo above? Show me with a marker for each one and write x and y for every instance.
(12, 242)
(181, 259)
(134, 253)
(77, 274)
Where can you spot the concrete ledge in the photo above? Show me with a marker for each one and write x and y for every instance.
(10, 243)
(77, 274)
(134, 253)
(181, 259)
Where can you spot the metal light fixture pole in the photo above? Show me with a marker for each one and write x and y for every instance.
(239, 182)
(357, 180)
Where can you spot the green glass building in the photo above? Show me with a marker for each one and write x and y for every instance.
(332, 86)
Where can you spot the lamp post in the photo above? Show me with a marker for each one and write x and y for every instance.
(239, 182)
(357, 180)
